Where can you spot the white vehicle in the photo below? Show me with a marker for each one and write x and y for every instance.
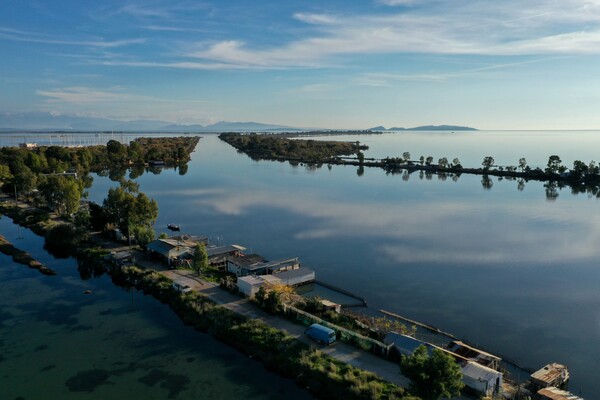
(181, 287)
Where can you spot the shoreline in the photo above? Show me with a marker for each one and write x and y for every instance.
(275, 348)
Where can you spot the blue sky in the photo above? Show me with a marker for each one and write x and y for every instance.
(331, 64)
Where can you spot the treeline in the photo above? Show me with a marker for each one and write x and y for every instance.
(278, 147)
(56, 177)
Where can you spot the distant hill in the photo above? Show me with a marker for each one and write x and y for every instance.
(425, 128)
(45, 121)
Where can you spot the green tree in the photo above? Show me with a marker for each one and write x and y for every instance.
(429, 160)
(126, 208)
(61, 193)
(522, 164)
(488, 162)
(554, 164)
(144, 234)
(432, 376)
(406, 156)
(5, 174)
(421, 160)
(200, 259)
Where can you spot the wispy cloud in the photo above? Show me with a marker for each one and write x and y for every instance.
(444, 28)
(31, 37)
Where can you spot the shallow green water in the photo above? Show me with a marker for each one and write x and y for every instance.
(58, 343)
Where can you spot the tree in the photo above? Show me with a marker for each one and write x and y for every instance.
(554, 164)
(200, 259)
(127, 208)
(456, 163)
(61, 193)
(5, 174)
(421, 160)
(406, 156)
(488, 162)
(432, 376)
(580, 169)
(522, 164)
(443, 162)
(429, 160)
(144, 234)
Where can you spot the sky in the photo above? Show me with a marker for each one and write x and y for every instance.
(341, 64)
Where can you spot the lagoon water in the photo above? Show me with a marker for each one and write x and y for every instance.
(501, 266)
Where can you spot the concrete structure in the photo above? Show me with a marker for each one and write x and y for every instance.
(552, 393)
(28, 146)
(473, 354)
(330, 305)
(480, 378)
(250, 284)
(553, 374)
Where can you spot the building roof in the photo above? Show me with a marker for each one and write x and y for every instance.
(479, 372)
(120, 255)
(466, 351)
(557, 394)
(551, 373)
(247, 260)
(405, 343)
(277, 279)
(223, 250)
(166, 246)
(294, 273)
(279, 264)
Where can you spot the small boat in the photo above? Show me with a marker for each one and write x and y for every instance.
(173, 227)
(87, 292)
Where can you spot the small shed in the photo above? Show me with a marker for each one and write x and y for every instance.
(553, 374)
(404, 344)
(480, 378)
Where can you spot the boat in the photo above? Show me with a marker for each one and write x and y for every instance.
(173, 227)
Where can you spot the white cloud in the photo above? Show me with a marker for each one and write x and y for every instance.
(398, 2)
(473, 28)
(31, 37)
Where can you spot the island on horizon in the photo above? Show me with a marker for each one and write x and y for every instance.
(382, 128)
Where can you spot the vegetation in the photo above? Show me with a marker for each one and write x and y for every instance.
(432, 376)
(280, 147)
(200, 258)
(322, 375)
(369, 326)
(22, 257)
(129, 209)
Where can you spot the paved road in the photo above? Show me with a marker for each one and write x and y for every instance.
(341, 351)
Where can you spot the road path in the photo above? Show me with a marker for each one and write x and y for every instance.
(340, 351)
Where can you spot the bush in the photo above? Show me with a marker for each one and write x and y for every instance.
(61, 240)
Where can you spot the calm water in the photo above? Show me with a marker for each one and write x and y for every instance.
(58, 343)
(502, 267)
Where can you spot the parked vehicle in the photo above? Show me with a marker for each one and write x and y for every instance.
(180, 287)
(321, 334)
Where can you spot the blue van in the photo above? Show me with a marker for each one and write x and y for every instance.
(320, 333)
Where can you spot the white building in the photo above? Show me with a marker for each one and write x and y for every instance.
(249, 285)
(480, 378)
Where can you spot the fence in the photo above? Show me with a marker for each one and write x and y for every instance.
(343, 334)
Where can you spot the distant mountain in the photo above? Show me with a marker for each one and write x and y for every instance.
(426, 128)
(44, 121)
